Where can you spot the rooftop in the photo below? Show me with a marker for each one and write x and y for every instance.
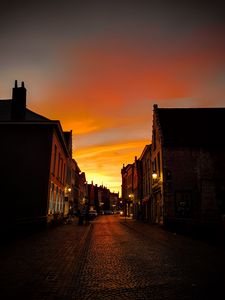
(192, 126)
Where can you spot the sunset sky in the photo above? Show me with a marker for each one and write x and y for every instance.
(99, 66)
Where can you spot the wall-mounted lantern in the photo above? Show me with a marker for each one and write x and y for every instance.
(154, 175)
(131, 196)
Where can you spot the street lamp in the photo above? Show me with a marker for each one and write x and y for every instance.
(154, 175)
(131, 196)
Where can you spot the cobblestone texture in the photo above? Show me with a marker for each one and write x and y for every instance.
(40, 267)
(111, 259)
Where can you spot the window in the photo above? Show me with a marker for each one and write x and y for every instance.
(57, 200)
(51, 201)
(54, 161)
(158, 162)
(64, 172)
(183, 204)
(63, 166)
(61, 171)
(154, 167)
(59, 160)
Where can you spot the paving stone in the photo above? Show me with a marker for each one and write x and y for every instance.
(111, 259)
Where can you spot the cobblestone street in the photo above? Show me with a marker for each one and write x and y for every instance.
(111, 259)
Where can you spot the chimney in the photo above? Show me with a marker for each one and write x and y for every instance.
(18, 102)
(155, 106)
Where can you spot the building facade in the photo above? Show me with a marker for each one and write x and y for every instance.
(137, 189)
(34, 162)
(188, 156)
(114, 201)
(146, 185)
(127, 173)
(83, 192)
(182, 173)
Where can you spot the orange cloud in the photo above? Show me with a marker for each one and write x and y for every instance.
(108, 88)
(103, 163)
(106, 77)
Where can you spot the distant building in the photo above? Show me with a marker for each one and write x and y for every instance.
(188, 159)
(83, 192)
(127, 173)
(92, 196)
(70, 177)
(105, 198)
(114, 201)
(34, 163)
(76, 186)
(147, 207)
(137, 188)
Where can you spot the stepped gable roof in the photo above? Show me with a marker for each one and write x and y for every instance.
(194, 127)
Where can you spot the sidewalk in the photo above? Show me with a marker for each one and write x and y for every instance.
(157, 231)
(31, 268)
(149, 230)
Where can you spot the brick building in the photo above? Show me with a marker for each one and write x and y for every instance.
(127, 173)
(114, 201)
(33, 162)
(76, 186)
(188, 158)
(83, 192)
(137, 188)
(146, 184)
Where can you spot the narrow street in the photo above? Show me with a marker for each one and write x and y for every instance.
(111, 259)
